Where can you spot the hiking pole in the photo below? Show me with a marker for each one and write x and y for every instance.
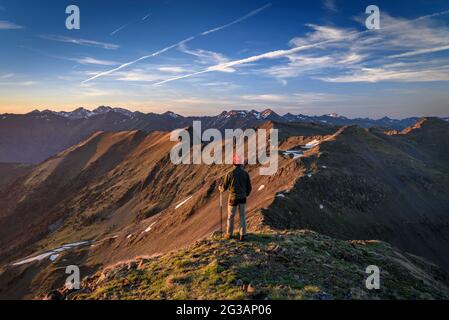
(221, 212)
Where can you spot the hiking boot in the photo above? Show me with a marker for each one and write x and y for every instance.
(227, 236)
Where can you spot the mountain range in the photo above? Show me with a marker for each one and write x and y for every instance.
(115, 205)
(34, 137)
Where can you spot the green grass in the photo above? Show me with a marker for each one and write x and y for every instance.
(275, 265)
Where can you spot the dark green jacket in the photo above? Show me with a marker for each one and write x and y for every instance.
(238, 183)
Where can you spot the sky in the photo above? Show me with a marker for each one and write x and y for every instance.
(203, 57)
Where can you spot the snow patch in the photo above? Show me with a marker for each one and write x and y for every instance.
(52, 255)
(257, 115)
(280, 195)
(183, 202)
(32, 259)
(295, 153)
(261, 187)
(150, 227)
(73, 245)
(312, 144)
(173, 115)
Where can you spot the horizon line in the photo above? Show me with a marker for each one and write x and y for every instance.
(224, 111)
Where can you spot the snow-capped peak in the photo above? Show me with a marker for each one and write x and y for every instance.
(172, 114)
(79, 113)
(266, 113)
(234, 113)
(82, 113)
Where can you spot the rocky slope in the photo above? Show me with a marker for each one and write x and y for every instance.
(120, 192)
(363, 184)
(270, 265)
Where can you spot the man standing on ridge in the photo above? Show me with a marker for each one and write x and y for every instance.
(239, 185)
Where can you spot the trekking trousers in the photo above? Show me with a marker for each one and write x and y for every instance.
(231, 216)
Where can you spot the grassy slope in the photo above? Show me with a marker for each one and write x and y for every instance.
(275, 265)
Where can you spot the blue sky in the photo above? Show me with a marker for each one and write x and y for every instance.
(201, 57)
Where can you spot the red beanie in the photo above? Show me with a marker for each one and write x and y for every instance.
(236, 160)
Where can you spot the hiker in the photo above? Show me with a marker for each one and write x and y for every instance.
(239, 185)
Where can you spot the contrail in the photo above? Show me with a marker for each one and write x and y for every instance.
(252, 13)
(249, 15)
(137, 60)
(267, 55)
(119, 29)
(282, 53)
(420, 52)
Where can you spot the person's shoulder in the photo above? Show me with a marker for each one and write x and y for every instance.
(230, 173)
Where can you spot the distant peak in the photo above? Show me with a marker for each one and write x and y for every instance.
(236, 113)
(103, 109)
(171, 114)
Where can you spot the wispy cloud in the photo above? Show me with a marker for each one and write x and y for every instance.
(18, 83)
(11, 79)
(148, 73)
(225, 67)
(95, 92)
(220, 86)
(205, 56)
(298, 65)
(266, 98)
(82, 42)
(180, 43)
(146, 16)
(349, 47)
(330, 5)
(299, 98)
(94, 61)
(394, 73)
(6, 25)
(172, 69)
(6, 76)
(80, 61)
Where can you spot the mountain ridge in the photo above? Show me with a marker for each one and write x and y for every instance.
(120, 192)
(38, 135)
